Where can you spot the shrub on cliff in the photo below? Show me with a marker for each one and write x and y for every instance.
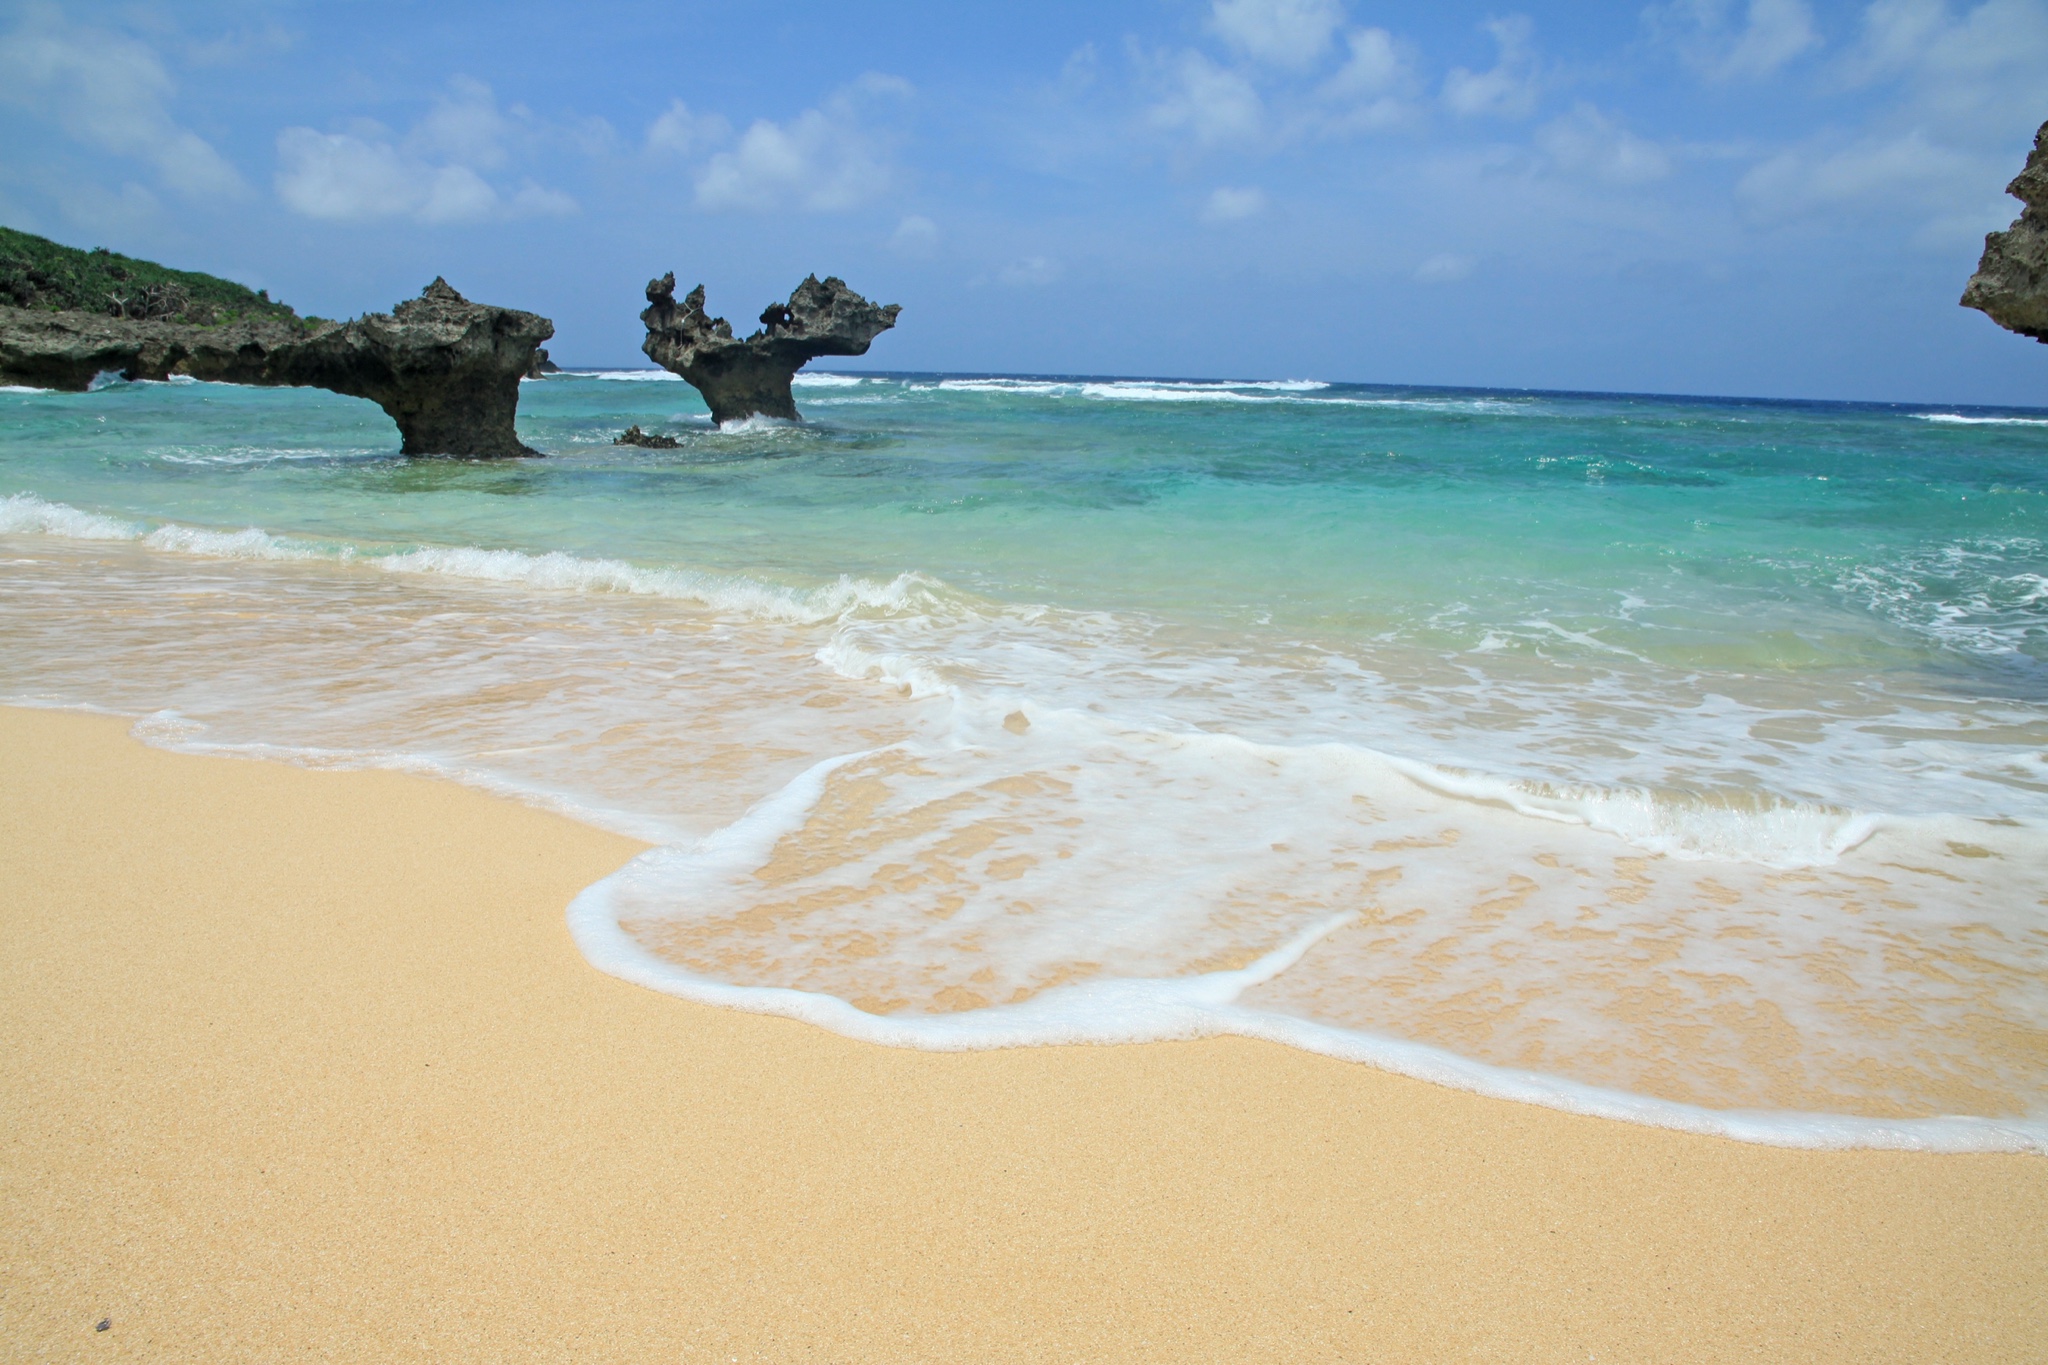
(36, 272)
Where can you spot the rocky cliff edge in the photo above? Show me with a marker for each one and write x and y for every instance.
(445, 369)
(2011, 283)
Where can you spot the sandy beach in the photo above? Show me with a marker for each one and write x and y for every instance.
(304, 1064)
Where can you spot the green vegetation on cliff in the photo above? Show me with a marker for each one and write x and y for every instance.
(36, 272)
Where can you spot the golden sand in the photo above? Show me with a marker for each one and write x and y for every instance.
(304, 1065)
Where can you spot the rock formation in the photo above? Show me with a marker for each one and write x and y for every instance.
(742, 378)
(446, 369)
(633, 436)
(2011, 283)
(65, 350)
(541, 364)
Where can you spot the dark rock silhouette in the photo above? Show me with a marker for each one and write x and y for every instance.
(744, 378)
(541, 364)
(445, 369)
(2011, 283)
(633, 436)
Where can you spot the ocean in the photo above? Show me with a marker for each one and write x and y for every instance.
(1679, 760)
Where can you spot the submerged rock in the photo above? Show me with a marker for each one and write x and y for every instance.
(750, 377)
(2011, 283)
(633, 436)
(445, 369)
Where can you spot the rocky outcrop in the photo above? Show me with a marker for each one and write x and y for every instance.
(2011, 283)
(541, 366)
(66, 350)
(445, 369)
(633, 436)
(748, 377)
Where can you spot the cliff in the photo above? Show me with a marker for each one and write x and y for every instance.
(745, 377)
(445, 369)
(2011, 283)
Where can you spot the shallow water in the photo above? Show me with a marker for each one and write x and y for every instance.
(1676, 759)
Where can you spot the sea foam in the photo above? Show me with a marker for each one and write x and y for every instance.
(959, 823)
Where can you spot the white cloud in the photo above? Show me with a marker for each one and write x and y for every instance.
(825, 160)
(1896, 37)
(1905, 171)
(431, 175)
(1030, 272)
(1979, 75)
(1968, 88)
(1292, 34)
(684, 133)
(463, 127)
(1444, 269)
(1213, 105)
(1777, 31)
(1376, 66)
(334, 175)
(1282, 90)
(1228, 205)
(1771, 33)
(1509, 89)
(1374, 87)
(537, 201)
(1588, 143)
(109, 92)
(915, 235)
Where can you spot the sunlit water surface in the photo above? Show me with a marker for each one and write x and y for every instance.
(1675, 759)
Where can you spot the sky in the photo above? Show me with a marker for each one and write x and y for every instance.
(1777, 198)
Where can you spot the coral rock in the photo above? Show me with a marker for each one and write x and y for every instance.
(2011, 283)
(446, 369)
(749, 377)
(633, 436)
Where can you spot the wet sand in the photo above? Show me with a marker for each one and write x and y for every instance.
(304, 1064)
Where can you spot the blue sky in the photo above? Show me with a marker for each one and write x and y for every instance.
(1769, 197)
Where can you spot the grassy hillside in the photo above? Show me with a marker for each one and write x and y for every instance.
(36, 272)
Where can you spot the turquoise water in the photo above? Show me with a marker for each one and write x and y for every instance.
(1679, 759)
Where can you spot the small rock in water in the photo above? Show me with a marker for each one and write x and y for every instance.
(633, 436)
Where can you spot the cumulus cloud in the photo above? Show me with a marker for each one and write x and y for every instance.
(1705, 34)
(825, 160)
(1210, 104)
(1965, 91)
(1980, 73)
(1229, 205)
(1291, 34)
(1375, 86)
(915, 235)
(685, 133)
(1588, 143)
(1872, 171)
(109, 92)
(1293, 71)
(1375, 66)
(431, 175)
(1509, 89)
